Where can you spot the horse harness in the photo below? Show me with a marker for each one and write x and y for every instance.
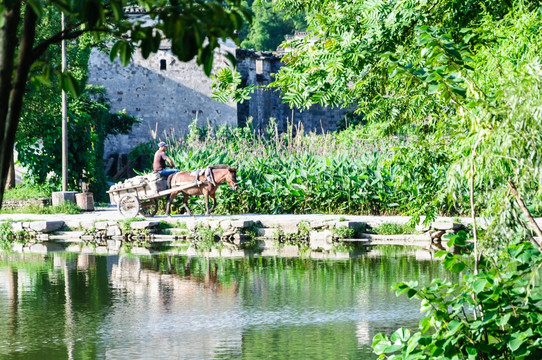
(208, 172)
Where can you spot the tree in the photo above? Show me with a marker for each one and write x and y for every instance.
(269, 26)
(193, 27)
(89, 119)
(466, 77)
(455, 72)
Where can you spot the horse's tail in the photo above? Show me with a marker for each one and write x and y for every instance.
(169, 180)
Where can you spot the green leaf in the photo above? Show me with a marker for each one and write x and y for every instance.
(118, 13)
(401, 334)
(433, 88)
(125, 53)
(457, 267)
(69, 84)
(479, 285)
(36, 6)
(114, 50)
(380, 344)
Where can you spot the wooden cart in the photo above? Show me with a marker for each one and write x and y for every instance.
(139, 195)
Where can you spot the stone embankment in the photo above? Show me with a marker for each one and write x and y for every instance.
(316, 236)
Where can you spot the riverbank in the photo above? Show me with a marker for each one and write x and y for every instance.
(105, 230)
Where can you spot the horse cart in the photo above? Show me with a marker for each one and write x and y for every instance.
(140, 194)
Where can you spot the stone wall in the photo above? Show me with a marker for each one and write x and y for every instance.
(257, 68)
(165, 93)
(21, 203)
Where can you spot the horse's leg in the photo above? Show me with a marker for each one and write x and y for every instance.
(207, 212)
(214, 202)
(185, 202)
(169, 201)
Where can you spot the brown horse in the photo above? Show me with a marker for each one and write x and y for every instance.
(206, 188)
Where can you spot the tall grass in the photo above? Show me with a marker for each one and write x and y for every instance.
(28, 191)
(350, 172)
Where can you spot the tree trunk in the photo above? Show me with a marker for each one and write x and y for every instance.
(11, 16)
(9, 118)
(527, 213)
(10, 181)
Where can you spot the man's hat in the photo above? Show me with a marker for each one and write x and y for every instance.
(161, 143)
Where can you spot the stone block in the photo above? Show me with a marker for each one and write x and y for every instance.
(269, 252)
(114, 244)
(191, 225)
(321, 240)
(214, 224)
(73, 224)
(237, 253)
(101, 225)
(289, 251)
(16, 247)
(38, 249)
(225, 225)
(267, 232)
(140, 225)
(422, 228)
(73, 248)
(356, 225)
(317, 255)
(338, 255)
(42, 237)
(289, 227)
(85, 201)
(67, 235)
(447, 226)
(17, 226)
(86, 224)
(113, 231)
(46, 226)
(60, 197)
(319, 224)
(241, 224)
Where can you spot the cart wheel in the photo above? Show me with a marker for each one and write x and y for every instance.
(148, 208)
(128, 205)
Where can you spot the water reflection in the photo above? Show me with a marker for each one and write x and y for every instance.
(85, 306)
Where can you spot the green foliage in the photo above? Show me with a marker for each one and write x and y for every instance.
(6, 236)
(492, 314)
(393, 229)
(333, 173)
(67, 207)
(90, 122)
(30, 33)
(125, 224)
(206, 237)
(226, 86)
(269, 26)
(28, 191)
(343, 232)
(5, 228)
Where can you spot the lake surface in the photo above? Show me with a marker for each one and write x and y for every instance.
(80, 306)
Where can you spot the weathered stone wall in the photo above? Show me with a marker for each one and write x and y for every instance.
(221, 236)
(165, 93)
(256, 68)
(21, 203)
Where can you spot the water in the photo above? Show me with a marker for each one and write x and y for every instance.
(75, 306)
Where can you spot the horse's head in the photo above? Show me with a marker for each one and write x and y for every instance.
(231, 178)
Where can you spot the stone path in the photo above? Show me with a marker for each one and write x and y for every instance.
(111, 214)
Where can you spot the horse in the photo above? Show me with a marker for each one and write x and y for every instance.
(206, 187)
